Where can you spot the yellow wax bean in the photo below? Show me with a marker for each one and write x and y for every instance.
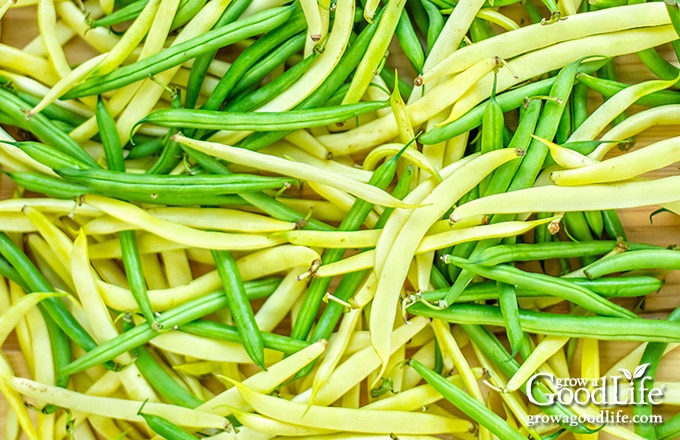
(48, 260)
(274, 427)
(385, 128)
(251, 266)
(310, 9)
(593, 197)
(177, 267)
(304, 140)
(65, 83)
(63, 35)
(635, 124)
(322, 209)
(11, 316)
(301, 171)
(177, 232)
(365, 260)
(625, 166)
(447, 341)
(507, 45)
(99, 38)
(279, 303)
(392, 274)
(498, 18)
(113, 407)
(544, 350)
(264, 381)
(15, 222)
(336, 348)
(47, 20)
(412, 155)
(333, 239)
(35, 67)
(358, 366)
(16, 403)
(615, 105)
(566, 157)
(350, 419)
(133, 35)
(341, 199)
(221, 219)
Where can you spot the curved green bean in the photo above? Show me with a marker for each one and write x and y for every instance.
(652, 259)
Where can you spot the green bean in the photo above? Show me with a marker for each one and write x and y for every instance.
(42, 127)
(673, 9)
(668, 429)
(492, 122)
(612, 225)
(269, 42)
(331, 84)
(576, 226)
(145, 148)
(435, 22)
(132, 262)
(202, 62)
(252, 100)
(52, 112)
(241, 310)
(186, 11)
(264, 67)
(126, 13)
(505, 253)
(48, 156)
(260, 121)
(47, 185)
(544, 323)
(547, 284)
(653, 259)
(216, 330)
(410, 42)
(260, 200)
(480, 30)
(608, 88)
(507, 302)
(657, 64)
(158, 377)
(628, 286)
(143, 333)
(166, 428)
(355, 217)
(172, 152)
(152, 187)
(179, 53)
(470, 406)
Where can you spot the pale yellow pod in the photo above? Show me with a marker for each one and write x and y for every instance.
(615, 105)
(498, 18)
(99, 38)
(392, 274)
(133, 35)
(544, 350)
(177, 232)
(27, 64)
(635, 124)
(594, 197)
(532, 37)
(47, 20)
(11, 316)
(278, 304)
(366, 259)
(67, 81)
(304, 140)
(297, 170)
(264, 381)
(566, 157)
(113, 407)
(16, 403)
(332, 239)
(177, 268)
(412, 155)
(336, 348)
(350, 419)
(15, 222)
(274, 427)
(358, 366)
(623, 167)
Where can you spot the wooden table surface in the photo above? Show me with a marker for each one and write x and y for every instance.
(17, 28)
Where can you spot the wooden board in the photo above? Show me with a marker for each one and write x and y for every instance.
(17, 28)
